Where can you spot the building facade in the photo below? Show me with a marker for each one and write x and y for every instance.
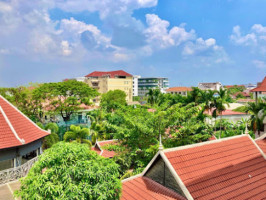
(179, 90)
(210, 86)
(260, 90)
(145, 84)
(135, 85)
(111, 80)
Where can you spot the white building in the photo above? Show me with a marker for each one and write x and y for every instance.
(135, 85)
(210, 86)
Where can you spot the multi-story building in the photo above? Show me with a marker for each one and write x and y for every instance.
(112, 80)
(210, 86)
(260, 90)
(135, 85)
(145, 84)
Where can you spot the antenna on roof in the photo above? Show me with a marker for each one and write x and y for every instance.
(160, 145)
(246, 130)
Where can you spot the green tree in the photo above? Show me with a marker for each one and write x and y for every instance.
(80, 135)
(113, 99)
(65, 97)
(51, 139)
(70, 171)
(220, 104)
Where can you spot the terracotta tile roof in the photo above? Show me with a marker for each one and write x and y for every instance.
(15, 128)
(261, 87)
(245, 100)
(112, 74)
(212, 138)
(262, 144)
(145, 188)
(178, 89)
(103, 152)
(230, 86)
(231, 168)
(226, 112)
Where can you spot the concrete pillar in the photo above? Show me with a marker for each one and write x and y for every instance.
(17, 161)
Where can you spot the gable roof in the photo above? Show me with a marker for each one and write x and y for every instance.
(141, 187)
(229, 168)
(15, 128)
(261, 142)
(112, 74)
(261, 87)
(178, 89)
(103, 152)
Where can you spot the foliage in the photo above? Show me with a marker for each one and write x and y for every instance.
(241, 109)
(65, 97)
(71, 171)
(113, 99)
(78, 134)
(51, 139)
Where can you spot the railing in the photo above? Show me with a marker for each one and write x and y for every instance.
(13, 174)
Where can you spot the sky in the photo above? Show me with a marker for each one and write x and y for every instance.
(186, 41)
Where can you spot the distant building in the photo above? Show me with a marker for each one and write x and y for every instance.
(210, 86)
(179, 90)
(145, 84)
(135, 85)
(260, 90)
(111, 80)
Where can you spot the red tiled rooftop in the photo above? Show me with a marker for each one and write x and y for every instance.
(230, 86)
(231, 168)
(112, 74)
(23, 127)
(261, 87)
(262, 144)
(103, 152)
(179, 89)
(145, 188)
(226, 112)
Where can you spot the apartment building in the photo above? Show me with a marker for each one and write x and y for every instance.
(145, 84)
(111, 80)
(179, 90)
(135, 85)
(210, 86)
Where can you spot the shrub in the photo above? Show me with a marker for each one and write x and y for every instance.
(71, 171)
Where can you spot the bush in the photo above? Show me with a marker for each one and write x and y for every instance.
(71, 171)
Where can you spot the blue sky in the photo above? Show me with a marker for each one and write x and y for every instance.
(186, 41)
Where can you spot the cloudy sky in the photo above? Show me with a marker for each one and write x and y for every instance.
(186, 41)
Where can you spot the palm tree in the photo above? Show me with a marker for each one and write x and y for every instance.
(220, 105)
(78, 134)
(257, 111)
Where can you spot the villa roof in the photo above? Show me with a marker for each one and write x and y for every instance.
(225, 112)
(112, 74)
(178, 89)
(230, 86)
(261, 87)
(15, 128)
(145, 188)
(103, 152)
(229, 168)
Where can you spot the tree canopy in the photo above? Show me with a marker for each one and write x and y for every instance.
(113, 99)
(71, 171)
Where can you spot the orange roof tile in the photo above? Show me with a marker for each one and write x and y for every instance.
(103, 152)
(262, 144)
(15, 128)
(261, 87)
(232, 168)
(224, 113)
(145, 188)
(178, 89)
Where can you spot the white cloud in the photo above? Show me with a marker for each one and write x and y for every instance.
(158, 35)
(200, 45)
(66, 50)
(259, 64)
(239, 39)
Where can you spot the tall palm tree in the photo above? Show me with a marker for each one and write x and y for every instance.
(220, 105)
(78, 134)
(257, 111)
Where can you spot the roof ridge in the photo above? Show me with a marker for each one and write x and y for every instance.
(23, 114)
(202, 143)
(21, 140)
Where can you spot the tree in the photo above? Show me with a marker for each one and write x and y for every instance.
(220, 104)
(113, 99)
(257, 111)
(71, 171)
(51, 139)
(153, 96)
(78, 134)
(65, 97)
